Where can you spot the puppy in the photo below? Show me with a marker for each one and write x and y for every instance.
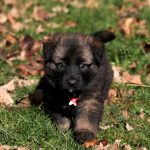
(77, 78)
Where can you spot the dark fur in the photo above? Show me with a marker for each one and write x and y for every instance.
(75, 66)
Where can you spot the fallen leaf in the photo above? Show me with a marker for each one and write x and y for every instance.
(112, 93)
(134, 79)
(124, 12)
(11, 39)
(93, 143)
(105, 127)
(133, 26)
(91, 4)
(127, 147)
(60, 9)
(3, 29)
(15, 25)
(118, 74)
(70, 24)
(5, 98)
(28, 47)
(10, 86)
(24, 83)
(114, 146)
(146, 47)
(10, 2)
(40, 29)
(26, 70)
(24, 102)
(6, 147)
(128, 127)
(3, 18)
(14, 12)
(39, 13)
(125, 25)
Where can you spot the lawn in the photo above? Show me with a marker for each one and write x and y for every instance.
(126, 115)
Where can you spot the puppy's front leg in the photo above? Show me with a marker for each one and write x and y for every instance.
(88, 116)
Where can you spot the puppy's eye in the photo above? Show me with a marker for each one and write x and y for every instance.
(61, 66)
(84, 67)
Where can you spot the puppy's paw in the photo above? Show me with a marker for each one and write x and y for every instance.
(63, 124)
(83, 135)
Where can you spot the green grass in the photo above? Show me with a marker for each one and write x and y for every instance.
(33, 128)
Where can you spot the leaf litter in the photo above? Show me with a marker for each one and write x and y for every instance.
(7, 89)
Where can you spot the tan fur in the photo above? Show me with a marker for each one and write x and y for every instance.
(82, 121)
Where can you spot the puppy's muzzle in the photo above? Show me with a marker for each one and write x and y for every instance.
(72, 82)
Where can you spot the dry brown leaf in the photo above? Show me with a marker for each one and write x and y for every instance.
(133, 26)
(128, 127)
(134, 79)
(93, 143)
(24, 102)
(3, 29)
(121, 76)
(105, 127)
(3, 18)
(117, 74)
(40, 29)
(10, 2)
(14, 12)
(10, 86)
(14, 83)
(5, 98)
(91, 4)
(15, 25)
(11, 39)
(112, 93)
(60, 9)
(70, 24)
(53, 25)
(6, 147)
(126, 25)
(114, 146)
(39, 13)
(28, 47)
(127, 147)
(24, 83)
(146, 47)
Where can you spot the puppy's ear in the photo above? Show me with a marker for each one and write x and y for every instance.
(49, 45)
(104, 36)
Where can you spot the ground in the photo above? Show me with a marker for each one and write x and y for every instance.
(24, 24)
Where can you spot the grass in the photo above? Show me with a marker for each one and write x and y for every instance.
(32, 128)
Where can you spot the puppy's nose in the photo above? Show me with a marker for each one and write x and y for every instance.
(72, 82)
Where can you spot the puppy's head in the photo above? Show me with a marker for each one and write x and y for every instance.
(72, 60)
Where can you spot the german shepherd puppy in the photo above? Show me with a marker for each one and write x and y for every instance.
(77, 78)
